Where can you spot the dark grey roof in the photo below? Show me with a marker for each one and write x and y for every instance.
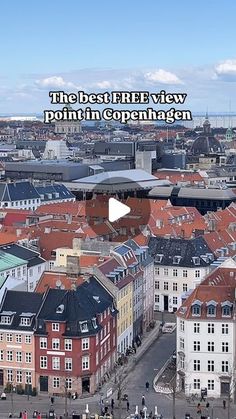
(192, 253)
(24, 253)
(81, 305)
(18, 191)
(19, 302)
(54, 190)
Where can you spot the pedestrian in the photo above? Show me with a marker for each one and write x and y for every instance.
(147, 386)
(112, 404)
(127, 404)
(52, 400)
(199, 409)
(224, 404)
(207, 405)
(143, 400)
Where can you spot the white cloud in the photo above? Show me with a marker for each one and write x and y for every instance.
(105, 84)
(54, 82)
(226, 70)
(162, 76)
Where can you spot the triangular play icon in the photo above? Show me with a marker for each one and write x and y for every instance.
(116, 210)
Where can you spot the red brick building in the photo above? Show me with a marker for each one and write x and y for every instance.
(75, 339)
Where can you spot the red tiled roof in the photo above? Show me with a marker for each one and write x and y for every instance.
(52, 279)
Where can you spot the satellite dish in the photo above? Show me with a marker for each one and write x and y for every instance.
(63, 287)
(73, 287)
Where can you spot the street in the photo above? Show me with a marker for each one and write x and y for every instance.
(145, 370)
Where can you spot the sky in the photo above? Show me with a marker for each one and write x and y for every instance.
(71, 45)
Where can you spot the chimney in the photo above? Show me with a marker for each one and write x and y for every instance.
(18, 232)
(72, 266)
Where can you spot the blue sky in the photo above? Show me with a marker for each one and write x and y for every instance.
(104, 45)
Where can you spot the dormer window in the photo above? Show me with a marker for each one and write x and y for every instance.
(176, 260)
(196, 308)
(211, 308)
(84, 327)
(196, 260)
(158, 258)
(5, 319)
(25, 321)
(226, 308)
(94, 323)
(60, 309)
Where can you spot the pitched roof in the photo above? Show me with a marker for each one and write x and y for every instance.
(165, 250)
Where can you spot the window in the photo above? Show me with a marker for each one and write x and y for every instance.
(56, 382)
(19, 376)
(175, 272)
(197, 273)
(68, 364)
(181, 343)
(157, 271)
(196, 384)
(85, 344)
(28, 339)
(28, 357)
(185, 287)
(226, 311)
(211, 310)
(9, 337)
(166, 285)
(25, 321)
(182, 325)
(211, 346)
(18, 338)
(225, 347)
(196, 327)
(225, 366)
(55, 343)
(18, 356)
(55, 327)
(157, 285)
(211, 328)
(28, 377)
(165, 271)
(68, 345)
(185, 273)
(1, 355)
(69, 383)
(84, 327)
(210, 384)
(43, 362)
(55, 363)
(175, 286)
(175, 300)
(43, 343)
(196, 346)
(196, 310)
(10, 356)
(85, 363)
(196, 365)
(225, 329)
(211, 366)
(9, 376)
(181, 358)
(1, 337)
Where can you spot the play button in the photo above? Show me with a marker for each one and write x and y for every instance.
(116, 210)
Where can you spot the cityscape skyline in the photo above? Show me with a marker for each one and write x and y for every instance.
(115, 47)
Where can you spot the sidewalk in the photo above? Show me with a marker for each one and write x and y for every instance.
(147, 340)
